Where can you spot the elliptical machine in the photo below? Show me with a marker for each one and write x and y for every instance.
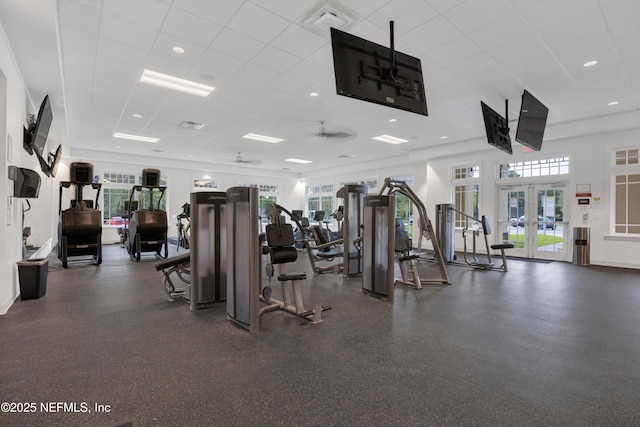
(80, 226)
(147, 226)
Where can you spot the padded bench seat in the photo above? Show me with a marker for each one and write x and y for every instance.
(173, 261)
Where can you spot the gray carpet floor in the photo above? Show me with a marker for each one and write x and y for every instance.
(545, 344)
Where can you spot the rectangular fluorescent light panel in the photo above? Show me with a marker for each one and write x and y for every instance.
(390, 139)
(304, 162)
(175, 83)
(134, 137)
(264, 138)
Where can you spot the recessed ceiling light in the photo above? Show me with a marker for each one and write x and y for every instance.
(393, 120)
(613, 103)
(314, 94)
(206, 177)
(390, 139)
(135, 137)
(589, 63)
(292, 160)
(118, 147)
(264, 138)
(137, 116)
(175, 83)
(443, 137)
(179, 50)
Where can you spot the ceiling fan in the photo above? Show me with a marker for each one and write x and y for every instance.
(239, 159)
(324, 133)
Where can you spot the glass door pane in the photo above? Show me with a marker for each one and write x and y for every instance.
(551, 233)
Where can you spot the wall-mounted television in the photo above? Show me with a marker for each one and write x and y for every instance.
(26, 182)
(363, 70)
(531, 122)
(497, 129)
(35, 137)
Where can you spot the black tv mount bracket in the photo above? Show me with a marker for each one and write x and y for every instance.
(504, 130)
(391, 74)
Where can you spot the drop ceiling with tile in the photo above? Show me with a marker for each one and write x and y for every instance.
(265, 58)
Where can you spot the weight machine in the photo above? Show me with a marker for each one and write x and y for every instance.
(352, 221)
(80, 226)
(476, 228)
(391, 187)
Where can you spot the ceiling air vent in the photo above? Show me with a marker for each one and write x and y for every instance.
(191, 125)
(326, 14)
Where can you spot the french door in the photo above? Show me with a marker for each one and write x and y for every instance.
(532, 217)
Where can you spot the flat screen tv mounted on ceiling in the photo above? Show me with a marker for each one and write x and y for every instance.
(532, 122)
(374, 73)
(497, 129)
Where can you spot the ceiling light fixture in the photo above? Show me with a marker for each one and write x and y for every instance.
(263, 138)
(179, 50)
(613, 103)
(292, 160)
(314, 94)
(393, 120)
(175, 83)
(137, 116)
(135, 137)
(390, 139)
(443, 137)
(589, 63)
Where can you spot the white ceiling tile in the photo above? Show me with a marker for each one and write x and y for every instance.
(150, 13)
(237, 45)
(456, 51)
(219, 62)
(308, 72)
(494, 35)
(166, 65)
(166, 42)
(275, 59)
(219, 12)
(286, 84)
(443, 5)
(117, 68)
(549, 12)
(414, 13)
(524, 4)
(256, 74)
(472, 15)
(622, 13)
(299, 42)
(78, 73)
(126, 32)
(288, 9)
(474, 65)
(369, 31)
(79, 17)
(78, 40)
(626, 40)
(565, 48)
(79, 58)
(323, 56)
(432, 34)
(365, 8)
(190, 27)
(121, 52)
(258, 23)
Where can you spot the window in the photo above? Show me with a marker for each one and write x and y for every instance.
(535, 168)
(320, 198)
(116, 190)
(627, 191)
(466, 193)
(207, 183)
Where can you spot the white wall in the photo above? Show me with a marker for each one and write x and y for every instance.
(14, 106)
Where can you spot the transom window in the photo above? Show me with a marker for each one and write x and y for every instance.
(535, 168)
(466, 193)
(626, 178)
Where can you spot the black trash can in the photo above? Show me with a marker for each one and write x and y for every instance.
(33, 278)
